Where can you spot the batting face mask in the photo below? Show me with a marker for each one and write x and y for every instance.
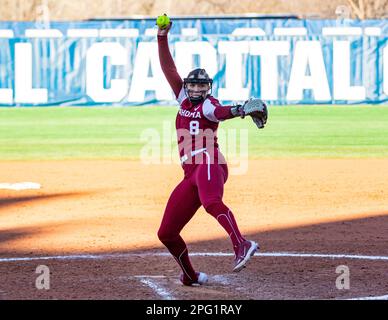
(197, 85)
(197, 91)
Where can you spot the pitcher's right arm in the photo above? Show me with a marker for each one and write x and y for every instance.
(167, 62)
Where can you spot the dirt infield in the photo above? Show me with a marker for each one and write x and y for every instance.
(96, 223)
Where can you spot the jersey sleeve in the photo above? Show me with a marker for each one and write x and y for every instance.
(168, 66)
(215, 112)
(181, 96)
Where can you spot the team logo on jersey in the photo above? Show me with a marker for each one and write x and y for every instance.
(189, 114)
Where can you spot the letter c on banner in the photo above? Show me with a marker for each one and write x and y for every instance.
(95, 72)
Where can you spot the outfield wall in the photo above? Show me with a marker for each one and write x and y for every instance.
(283, 61)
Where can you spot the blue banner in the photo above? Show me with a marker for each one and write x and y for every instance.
(282, 61)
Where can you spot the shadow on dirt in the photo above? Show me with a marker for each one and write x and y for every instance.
(358, 236)
(117, 275)
(7, 201)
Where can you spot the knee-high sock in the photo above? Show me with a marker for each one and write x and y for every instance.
(225, 217)
(178, 249)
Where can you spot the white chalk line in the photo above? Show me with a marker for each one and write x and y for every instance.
(371, 298)
(220, 278)
(164, 293)
(202, 254)
(157, 288)
(168, 296)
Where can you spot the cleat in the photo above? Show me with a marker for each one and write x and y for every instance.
(244, 252)
(201, 279)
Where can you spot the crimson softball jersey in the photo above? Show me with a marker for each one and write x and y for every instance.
(196, 125)
(204, 166)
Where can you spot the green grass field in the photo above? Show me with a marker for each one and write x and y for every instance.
(114, 132)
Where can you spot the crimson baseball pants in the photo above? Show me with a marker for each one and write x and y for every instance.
(205, 186)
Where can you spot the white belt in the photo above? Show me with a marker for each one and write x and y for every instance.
(192, 153)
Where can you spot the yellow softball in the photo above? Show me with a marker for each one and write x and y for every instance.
(163, 21)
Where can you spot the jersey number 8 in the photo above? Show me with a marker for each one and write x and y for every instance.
(194, 128)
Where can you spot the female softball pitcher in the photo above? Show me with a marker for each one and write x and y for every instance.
(205, 169)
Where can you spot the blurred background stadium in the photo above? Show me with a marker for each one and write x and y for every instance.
(30, 10)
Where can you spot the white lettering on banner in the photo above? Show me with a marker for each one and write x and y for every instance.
(308, 54)
(307, 70)
(24, 93)
(253, 32)
(298, 31)
(43, 33)
(95, 72)
(233, 51)
(147, 58)
(119, 33)
(6, 33)
(6, 96)
(184, 52)
(269, 51)
(385, 70)
(372, 31)
(82, 33)
(342, 31)
(342, 90)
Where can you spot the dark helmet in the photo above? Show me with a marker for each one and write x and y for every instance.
(197, 76)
